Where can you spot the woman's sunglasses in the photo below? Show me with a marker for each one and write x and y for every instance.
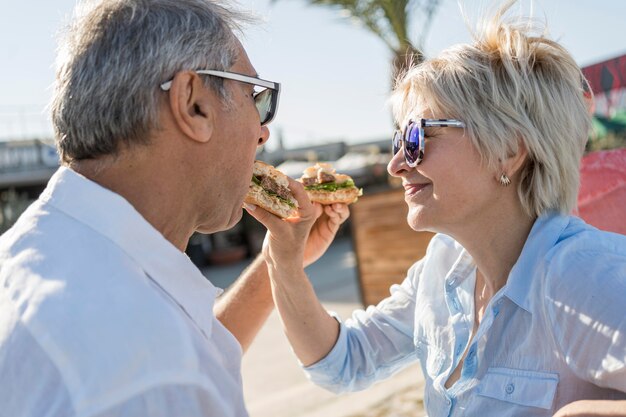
(412, 138)
(266, 100)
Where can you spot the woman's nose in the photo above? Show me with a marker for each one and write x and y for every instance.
(397, 165)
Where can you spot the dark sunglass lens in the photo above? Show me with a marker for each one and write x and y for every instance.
(412, 143)
(263, 102)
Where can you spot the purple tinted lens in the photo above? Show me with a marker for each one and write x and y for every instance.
(412, 143)
(396, 142)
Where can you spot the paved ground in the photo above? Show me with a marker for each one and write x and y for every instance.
(274, 385)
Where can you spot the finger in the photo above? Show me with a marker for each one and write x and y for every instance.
(333, 220)
(342, 210)
(331, 213)
(267, 219)
(318, 210)
(339, 210)
(305, 208)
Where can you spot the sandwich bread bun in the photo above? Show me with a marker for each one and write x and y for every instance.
(325, 186)
(269, 189)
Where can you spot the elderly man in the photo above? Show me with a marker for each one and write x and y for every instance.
(157, 120)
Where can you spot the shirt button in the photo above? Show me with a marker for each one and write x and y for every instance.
(448, 401)
(510, 388)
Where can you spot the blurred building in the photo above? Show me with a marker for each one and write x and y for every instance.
(607, 80)
(25, 168)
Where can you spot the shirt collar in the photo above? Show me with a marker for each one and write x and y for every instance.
(544, 234)
(110, 215)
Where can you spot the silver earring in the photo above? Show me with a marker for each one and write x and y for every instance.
(504, 180)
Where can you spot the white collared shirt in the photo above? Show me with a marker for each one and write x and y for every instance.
(101, 316)
(555, 333)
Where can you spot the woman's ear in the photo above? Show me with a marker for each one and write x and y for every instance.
(193, 106)
(512, 164)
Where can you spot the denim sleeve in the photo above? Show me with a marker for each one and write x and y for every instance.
(585, 302)
(374, 343)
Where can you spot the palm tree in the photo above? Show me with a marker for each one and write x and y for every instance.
(389, 20)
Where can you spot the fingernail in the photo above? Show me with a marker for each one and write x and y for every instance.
(249, 207)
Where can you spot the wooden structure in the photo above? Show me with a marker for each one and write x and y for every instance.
(384, 243)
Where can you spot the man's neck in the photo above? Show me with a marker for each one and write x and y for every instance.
(157, 195)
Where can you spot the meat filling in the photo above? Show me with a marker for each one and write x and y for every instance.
(271, 185)
(309, 181)
(324, 177)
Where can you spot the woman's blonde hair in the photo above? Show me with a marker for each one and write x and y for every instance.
(511, 84)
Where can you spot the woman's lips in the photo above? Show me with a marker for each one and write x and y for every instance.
(412, 189)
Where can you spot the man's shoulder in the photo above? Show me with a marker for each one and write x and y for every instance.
(87, 303)
(46, 246)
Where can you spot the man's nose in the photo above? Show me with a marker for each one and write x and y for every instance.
(265, 135)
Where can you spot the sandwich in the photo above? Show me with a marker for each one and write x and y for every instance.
(269, 189)
(325, 186)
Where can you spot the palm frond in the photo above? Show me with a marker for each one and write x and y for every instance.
(389, 20)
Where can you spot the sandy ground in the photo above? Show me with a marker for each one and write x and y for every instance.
(274, 384)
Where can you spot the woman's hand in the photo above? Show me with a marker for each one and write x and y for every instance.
(289, 245)
(324, 230)
(302, 239)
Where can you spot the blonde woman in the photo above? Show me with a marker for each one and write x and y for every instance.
(517, 309)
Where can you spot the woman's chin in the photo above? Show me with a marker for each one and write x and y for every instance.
(417, 220)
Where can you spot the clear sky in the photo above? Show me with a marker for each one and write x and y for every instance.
(335, 75)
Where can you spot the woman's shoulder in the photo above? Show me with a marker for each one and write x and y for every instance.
(585, 258)
(579, 238)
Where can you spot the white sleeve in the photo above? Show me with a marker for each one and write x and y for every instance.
(374, 343)
(173, 400)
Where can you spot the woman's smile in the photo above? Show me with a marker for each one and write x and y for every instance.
(415, 189)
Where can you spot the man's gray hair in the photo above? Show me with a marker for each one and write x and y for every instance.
(113, 58)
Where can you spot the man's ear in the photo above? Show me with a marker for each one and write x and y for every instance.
(192, 106)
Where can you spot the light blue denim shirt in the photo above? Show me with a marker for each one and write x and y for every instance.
(555, 333)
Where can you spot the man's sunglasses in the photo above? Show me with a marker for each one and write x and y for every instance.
(266, 100)
(412, 137)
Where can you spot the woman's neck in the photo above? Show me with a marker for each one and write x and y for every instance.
(495, 243)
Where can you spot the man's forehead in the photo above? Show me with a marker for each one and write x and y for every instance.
(242, 63)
